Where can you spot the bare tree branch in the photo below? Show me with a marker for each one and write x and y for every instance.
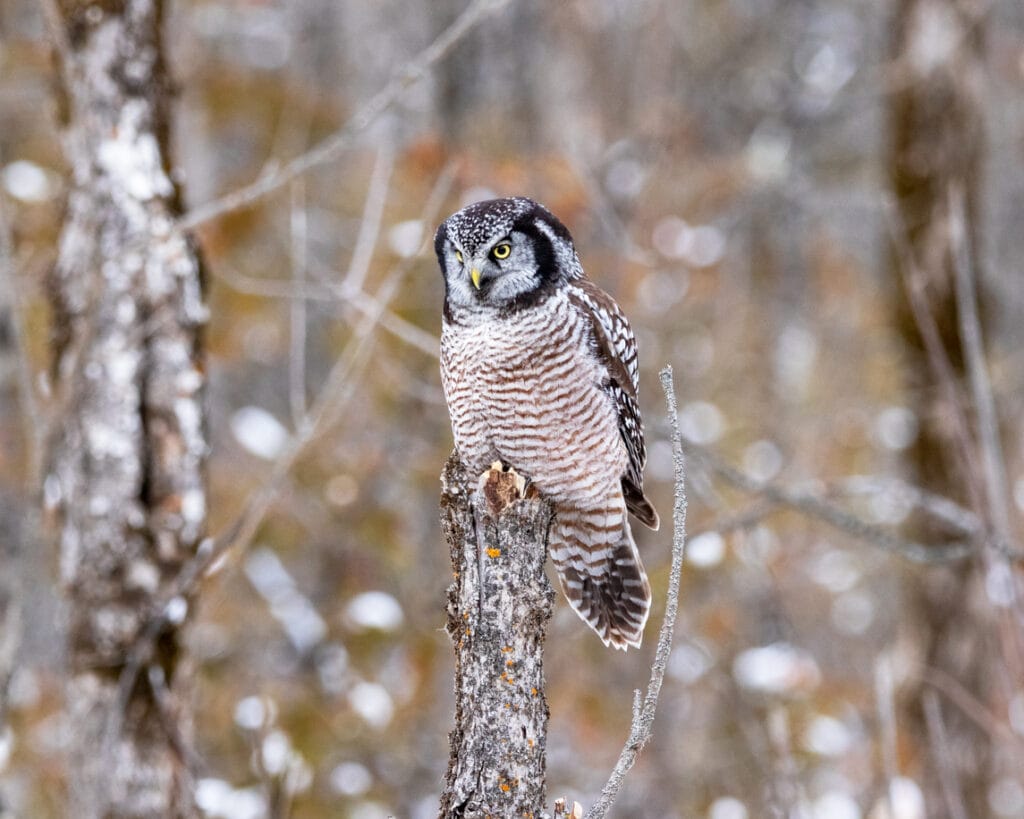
(939, 744)
(886, 710)
(401, 328)
(815, 506)
(9, 280)
(330, 148)
(643, 716)
(297, 307)
(369, 225)
(915, 284)
(993, 462)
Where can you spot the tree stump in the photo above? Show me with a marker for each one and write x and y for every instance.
(498, 608)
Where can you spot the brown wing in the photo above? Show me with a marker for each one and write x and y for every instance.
(616, 346)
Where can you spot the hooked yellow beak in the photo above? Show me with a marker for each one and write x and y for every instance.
(474, 274)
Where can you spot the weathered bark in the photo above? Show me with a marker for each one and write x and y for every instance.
(498, 608)
(936, 127)
(126, 467)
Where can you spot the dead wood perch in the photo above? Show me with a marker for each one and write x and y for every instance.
(498, 607)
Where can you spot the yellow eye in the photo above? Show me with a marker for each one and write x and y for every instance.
(458, 256)
(502, 251)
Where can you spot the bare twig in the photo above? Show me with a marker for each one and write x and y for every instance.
(814, 506)
(297, 338)
(369, 225)
(643, 716)
(363, 302)
(949, 780)
(937, 506)
(164, 699)
(987, 424)
(743, 519)
(914, 283)
(55, 25)
(886, 710)
(994, 465)
(9, 279)
(330, 148)
(969, 705)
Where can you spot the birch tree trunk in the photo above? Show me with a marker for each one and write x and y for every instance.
(126, 466)
(498, 608)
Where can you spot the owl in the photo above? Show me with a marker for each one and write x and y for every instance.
(539, 368)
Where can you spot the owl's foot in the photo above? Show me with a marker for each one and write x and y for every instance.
(501, 486)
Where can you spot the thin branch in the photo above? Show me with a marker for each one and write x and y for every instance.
(297, 337)
(949, 781)
(734, 521)
(987, 423)
(55, 24)
(969, 705)
(330, 148)
(974, 354)
(369, 225)
(9, 279)
(401, 328)
(937, 506)
(914, 284)
(814, 506)
(643, 717)
(886, 710)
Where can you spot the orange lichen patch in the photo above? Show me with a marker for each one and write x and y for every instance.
(510, 663)
(533, 692)
(505, 787)
(506, 649)
(494, 552)
(505, 676)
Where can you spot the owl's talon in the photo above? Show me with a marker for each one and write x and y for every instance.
(501, 485)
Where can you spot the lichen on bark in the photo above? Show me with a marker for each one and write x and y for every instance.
(499, 604)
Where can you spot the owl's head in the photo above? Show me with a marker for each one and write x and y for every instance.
(504, 254)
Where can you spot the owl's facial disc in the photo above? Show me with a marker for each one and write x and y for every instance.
(493, 273)
(502, 253)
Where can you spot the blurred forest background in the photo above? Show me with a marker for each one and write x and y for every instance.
(809, 208)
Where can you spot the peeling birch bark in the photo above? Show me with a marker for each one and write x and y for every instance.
(125, 470)
(498, 608)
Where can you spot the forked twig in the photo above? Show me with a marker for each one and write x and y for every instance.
(643, 714)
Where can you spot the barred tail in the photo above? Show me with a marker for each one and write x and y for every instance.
(608, 587)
